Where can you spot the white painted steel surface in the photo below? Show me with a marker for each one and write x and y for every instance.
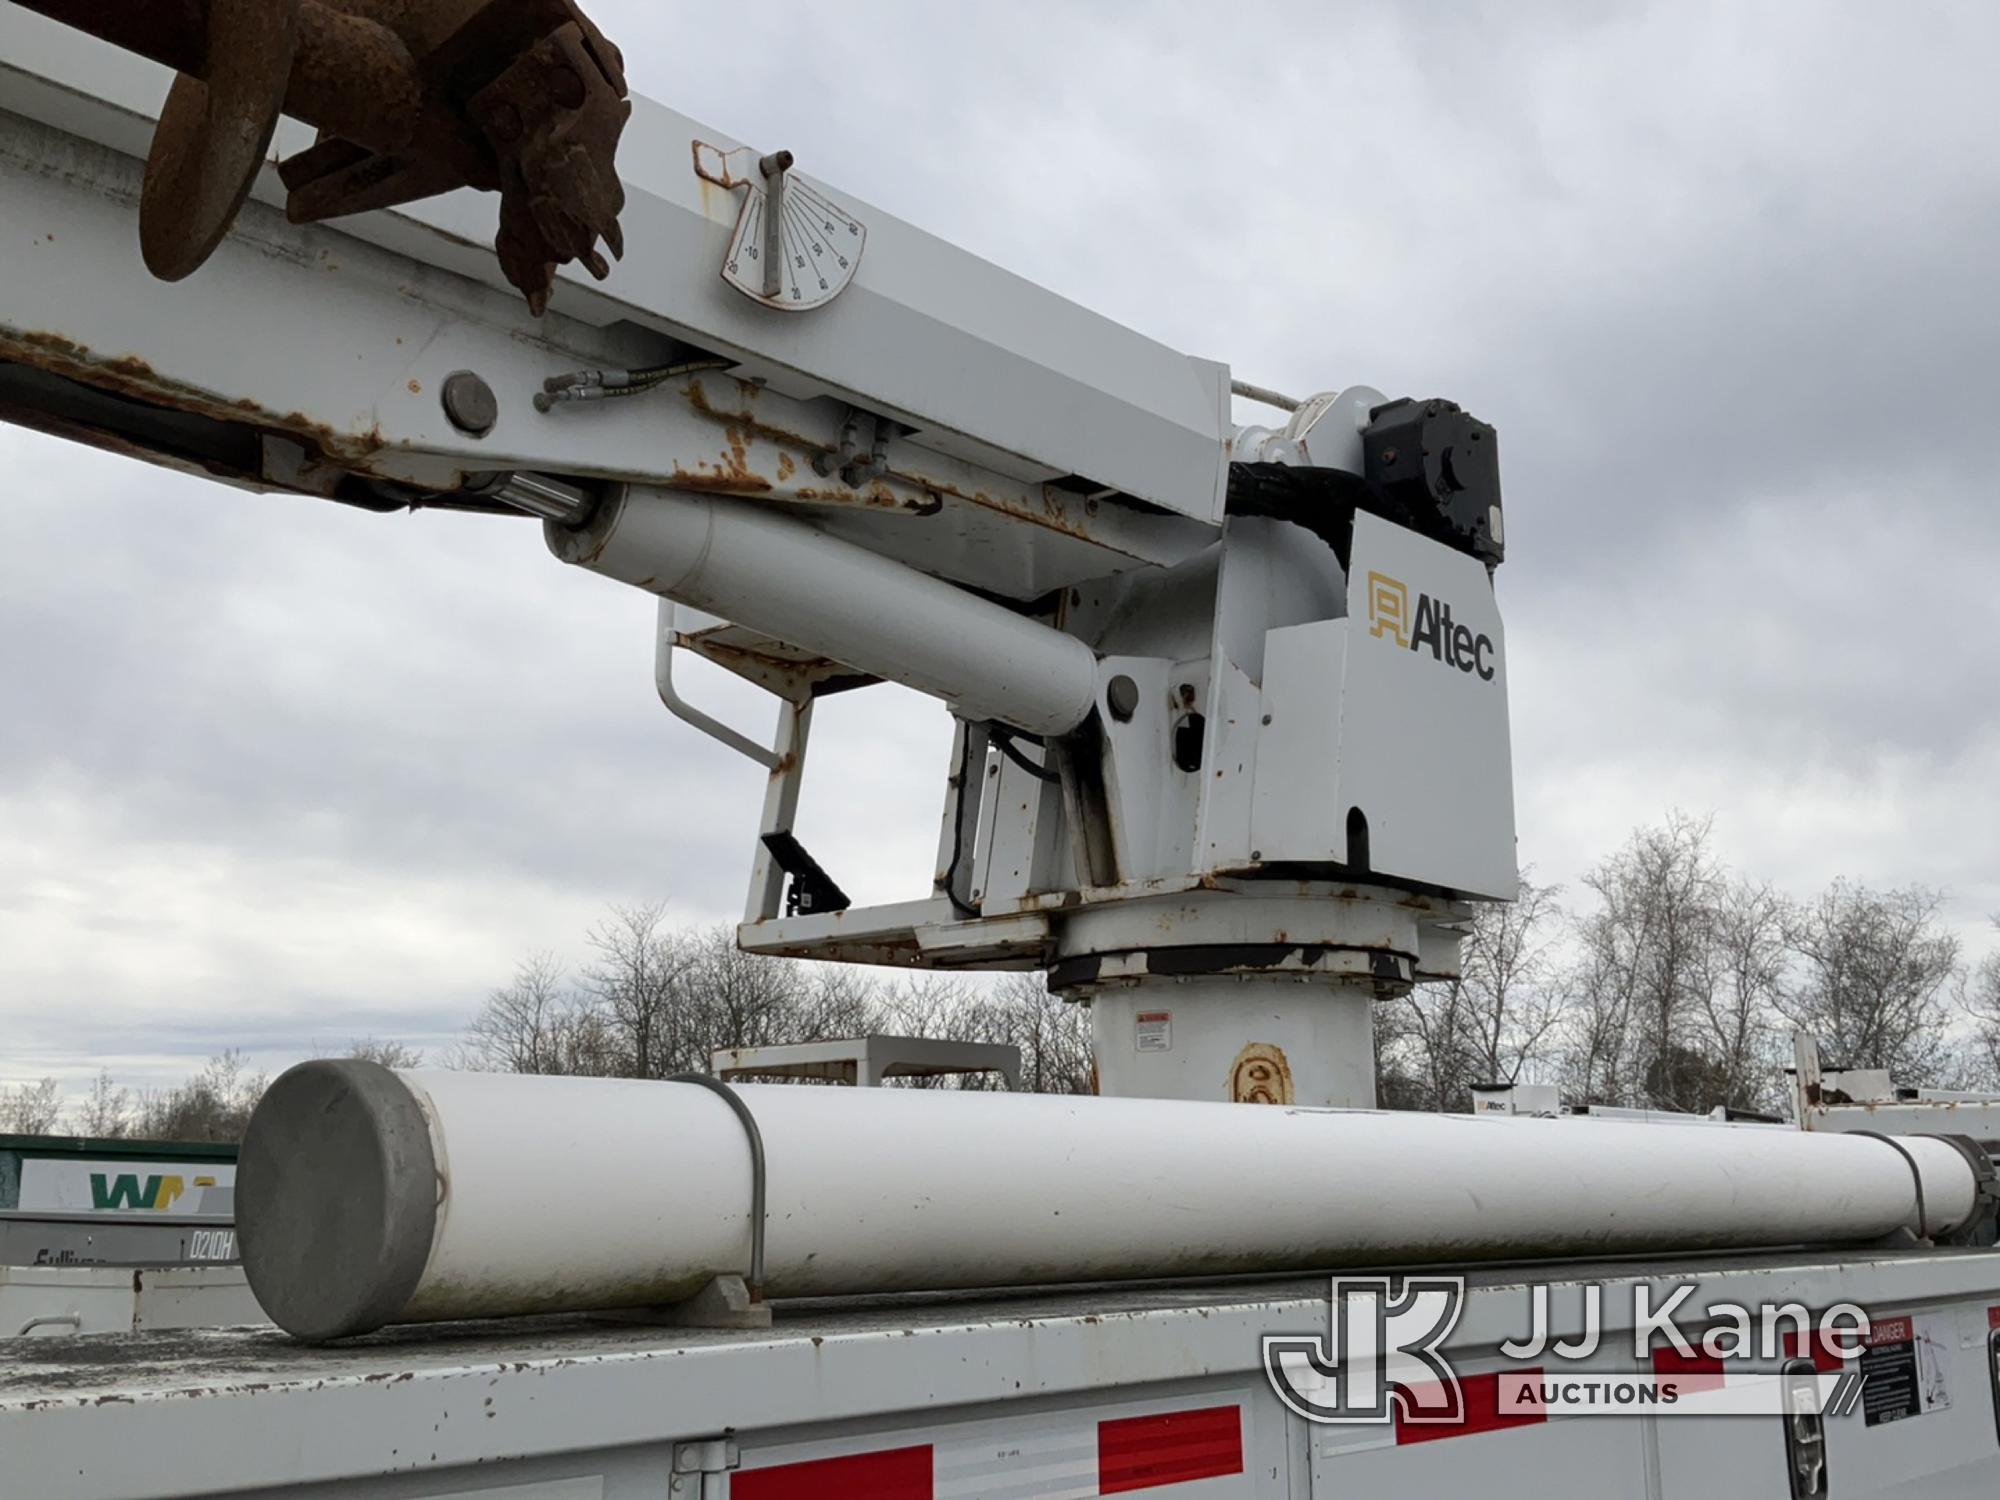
(1233, 1038)
(783, 578)
(866, 1061)
(1244, 994)
(1358, 715)
(58, 1301)
(386, 333)
(569, 1193)
(491, 1410)
(983, 364)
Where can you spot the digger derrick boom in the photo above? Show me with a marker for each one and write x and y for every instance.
(1198, 776)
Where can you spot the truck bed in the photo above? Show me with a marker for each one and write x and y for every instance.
(53, 1371)
(458, 1409)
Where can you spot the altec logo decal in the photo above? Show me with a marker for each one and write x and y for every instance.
(1431, 628)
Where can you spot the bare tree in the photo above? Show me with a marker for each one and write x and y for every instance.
(105, 1113)
(536, 1024)
(1019, 1010)
(635, 977)
(1489, 1025)
(1400, 1080)
(725, 997)
(31, 1108)
(1746, 982)
(1052, 1033)
(657, 1000)
(1875, 971)
(943, 1006)
(1646, 971)
(1979, 997)
(390, 1054)
(1424, 1047)
(1508, 974)
(214, 1105)
(834, 1000)
(928, 1004)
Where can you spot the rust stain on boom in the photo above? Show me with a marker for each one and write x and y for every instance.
(130, 377)
(412, 98)
(1041, 506)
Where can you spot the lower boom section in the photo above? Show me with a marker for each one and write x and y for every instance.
(366, 1197)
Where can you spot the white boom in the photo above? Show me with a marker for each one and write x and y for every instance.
(563, 1194)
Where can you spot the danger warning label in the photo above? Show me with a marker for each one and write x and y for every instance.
(1904, 1370)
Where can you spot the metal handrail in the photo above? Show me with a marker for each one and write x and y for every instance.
(680, 708)
(49, 1320)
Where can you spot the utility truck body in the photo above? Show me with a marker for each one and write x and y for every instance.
(1100, 1390)
(1231, 763)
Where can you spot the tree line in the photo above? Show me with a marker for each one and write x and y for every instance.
(651, 999)
(1673, 983)
(1678, 983)
(212, 1105)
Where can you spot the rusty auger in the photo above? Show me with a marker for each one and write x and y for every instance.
(411, 98)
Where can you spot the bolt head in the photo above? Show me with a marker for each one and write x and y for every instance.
(469, 403)
(1121, 695)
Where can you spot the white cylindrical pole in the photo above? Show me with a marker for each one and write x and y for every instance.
(367, 1197)
(1275, 1038)
(782, 578)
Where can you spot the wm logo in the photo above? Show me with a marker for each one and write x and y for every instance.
(125, 1191)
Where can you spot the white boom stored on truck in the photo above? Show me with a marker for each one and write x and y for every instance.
(1231, 759)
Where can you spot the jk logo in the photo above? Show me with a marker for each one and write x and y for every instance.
(1380, 1354)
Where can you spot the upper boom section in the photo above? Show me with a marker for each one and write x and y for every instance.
(969, 360)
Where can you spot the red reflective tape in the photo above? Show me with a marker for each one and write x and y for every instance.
(1993, 1317)
(893, 1474)
(1138, 1453)
(1481, 1395)
(1699, 1371)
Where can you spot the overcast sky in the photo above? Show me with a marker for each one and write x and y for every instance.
(276, 774)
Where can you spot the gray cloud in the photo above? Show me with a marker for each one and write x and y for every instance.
(280, 773)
